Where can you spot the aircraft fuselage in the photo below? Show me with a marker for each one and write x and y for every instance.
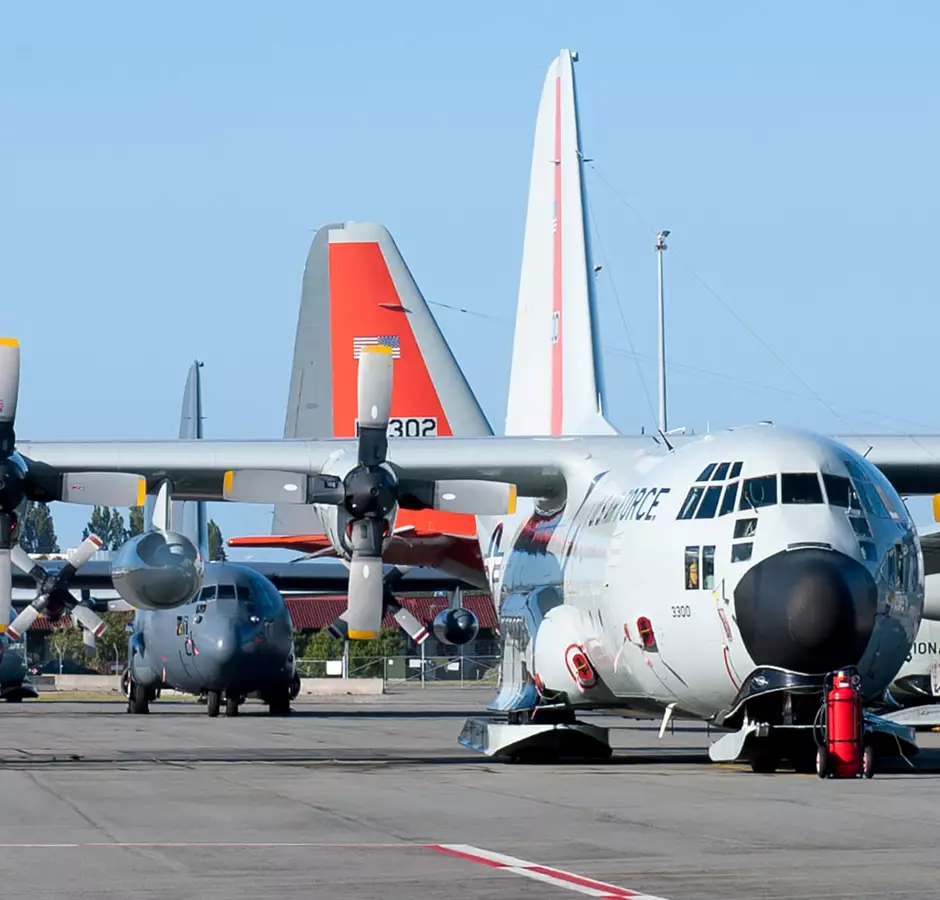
(234, 637)
(679, 575)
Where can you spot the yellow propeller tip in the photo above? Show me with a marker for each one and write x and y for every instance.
(9, 342)
(362, 635)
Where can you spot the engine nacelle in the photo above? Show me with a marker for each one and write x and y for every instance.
(157, 570)
(455, 626)
(932, 597)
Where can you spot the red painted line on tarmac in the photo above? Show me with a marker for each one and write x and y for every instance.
(546, 874)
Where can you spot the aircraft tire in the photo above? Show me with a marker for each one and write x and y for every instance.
(868, 761)
(213, 703)
(15, 698)
(279, 704)
(765, 758)
(231, 706)
(139, 701)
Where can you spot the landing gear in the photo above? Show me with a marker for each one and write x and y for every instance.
(765, 757)
(278, 701)
(231, 705)
(138, 701)
(213, 703)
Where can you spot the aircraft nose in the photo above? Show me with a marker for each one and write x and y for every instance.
(808, 610)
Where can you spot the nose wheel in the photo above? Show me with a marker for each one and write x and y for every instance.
(213, 703)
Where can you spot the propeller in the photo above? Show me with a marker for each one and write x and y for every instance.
(21, 479)
(407, 620)
(52, 587)
(370, 495)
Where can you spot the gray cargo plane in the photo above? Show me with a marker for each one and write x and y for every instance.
(233, 638)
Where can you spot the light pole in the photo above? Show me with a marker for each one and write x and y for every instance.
(660, 247)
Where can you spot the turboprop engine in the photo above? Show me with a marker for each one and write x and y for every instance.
(157, 570)
(455, 626)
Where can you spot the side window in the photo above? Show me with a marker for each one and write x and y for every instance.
(708, 568)
(709, 505)
(758, 492)
(727, 503)
(690, 502)
(182, 625)
(741, 552)
(745, 528)
(691, 568)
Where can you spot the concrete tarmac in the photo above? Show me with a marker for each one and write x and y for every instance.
(346, 800)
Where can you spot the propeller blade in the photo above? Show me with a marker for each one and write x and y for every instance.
(408, 622)
(364, 608)
(480, 498)
(9, 379)
(78, 556)
(119, 606)
(338, 629)
(88, 620)
(374, 403)
(6, 589)
(366, 537)
(264, 486)
(89, 641)
(22, 560)
(21, 624)
(102, 489)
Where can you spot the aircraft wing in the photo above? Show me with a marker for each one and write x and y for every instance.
(911, 462)
(287, 577)
(536, 465)
(196, 468)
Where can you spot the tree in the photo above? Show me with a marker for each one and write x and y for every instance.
(366, 658)
(37, 532)
(66, 642)
(216, 543)
(135, 520)
(112, 645)
(108, 524)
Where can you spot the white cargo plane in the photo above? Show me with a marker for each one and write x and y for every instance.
(718, 577)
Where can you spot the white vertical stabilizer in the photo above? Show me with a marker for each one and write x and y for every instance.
(556, 385)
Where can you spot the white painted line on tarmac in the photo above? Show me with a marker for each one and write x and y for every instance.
(547, 874)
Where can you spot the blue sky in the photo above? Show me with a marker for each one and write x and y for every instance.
(165, 169)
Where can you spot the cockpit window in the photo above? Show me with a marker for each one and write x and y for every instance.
(721, 473)
(709, 505)
(837, 490)
(706, 472)
(800, 487)
(871, 502)
(243, 592)
(690, 502)
(736, 469)
(208, 593)
(727, 503)
(758, 492)
(226, 592)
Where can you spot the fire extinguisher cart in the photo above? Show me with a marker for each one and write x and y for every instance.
(844, 746)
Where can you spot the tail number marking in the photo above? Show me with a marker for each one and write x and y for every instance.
(410, 426)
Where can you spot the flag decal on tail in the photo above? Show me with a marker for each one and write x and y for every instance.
(384, 340)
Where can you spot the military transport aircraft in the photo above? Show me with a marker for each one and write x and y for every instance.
(720, 577)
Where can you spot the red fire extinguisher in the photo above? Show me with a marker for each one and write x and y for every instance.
(844, 754)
